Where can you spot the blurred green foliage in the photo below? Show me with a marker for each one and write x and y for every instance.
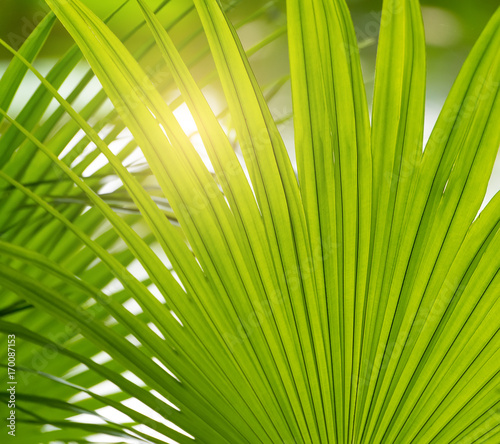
(18, 17)
(471, 15)
(452, 27)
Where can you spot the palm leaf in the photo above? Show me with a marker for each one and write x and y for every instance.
(353, 301)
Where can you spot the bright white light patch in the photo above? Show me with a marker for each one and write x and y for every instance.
(442, 27)
(159, 363)
(101, 358)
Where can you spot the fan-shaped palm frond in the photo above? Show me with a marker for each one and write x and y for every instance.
(213, 293)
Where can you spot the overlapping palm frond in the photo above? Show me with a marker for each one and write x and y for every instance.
(235, 300)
